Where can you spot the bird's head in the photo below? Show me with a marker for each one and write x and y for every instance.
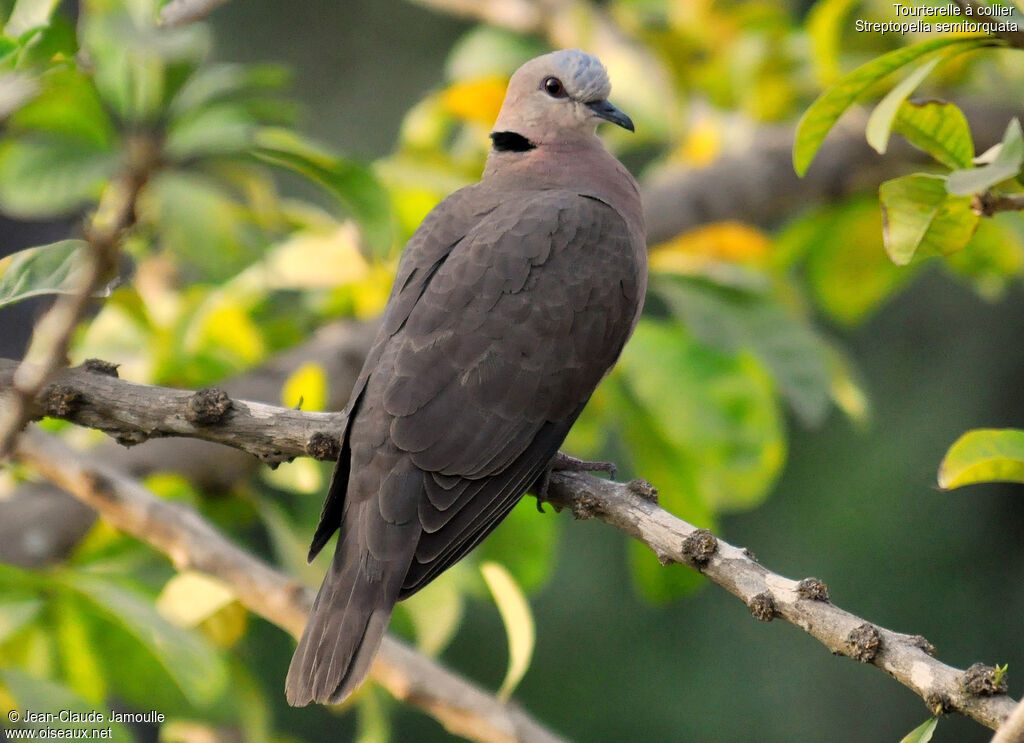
(556, 98)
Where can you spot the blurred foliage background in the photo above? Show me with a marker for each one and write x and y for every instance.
(789, 386)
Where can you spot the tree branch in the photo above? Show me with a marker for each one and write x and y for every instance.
(987, 204)
(1011, 731)
(191, 543)
(1015, 38)
(978, 692)
(52, 334)
(184, 12)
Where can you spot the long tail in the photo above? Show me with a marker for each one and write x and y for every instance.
(352, 609)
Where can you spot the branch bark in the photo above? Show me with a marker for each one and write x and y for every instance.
(978, 693)
(1011, 731)
(191, 543)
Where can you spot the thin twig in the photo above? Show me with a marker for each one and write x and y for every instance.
(184, 12)
(1012, 731)
(633, 509)
(987, 204)
(52, 334)
(191, 543)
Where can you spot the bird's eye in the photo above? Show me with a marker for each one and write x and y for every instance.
(553, 87)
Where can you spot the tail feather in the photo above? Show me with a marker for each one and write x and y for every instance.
(349, 617)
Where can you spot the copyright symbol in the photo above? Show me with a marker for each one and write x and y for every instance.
(13, 715)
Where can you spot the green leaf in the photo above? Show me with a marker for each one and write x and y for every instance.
(79, 659)
(824, 25)
(200, 222)
(47, 269)
(919, 217)
(518, 620)
(526, 542)
(436, 612)
(351, 183)
(1006, 164)
(225, 82)
(922, 733)
(739, 321)
(222, 129)
(994, 258)
(37, 694)
(69, 106)
(715, 411)
(137, 66)
(826, 110)
(50, 178)
(881, 120)
(197, 670)
(16, 615)
(938, 128)
(28, 15)
(984, 455)
(846, 265)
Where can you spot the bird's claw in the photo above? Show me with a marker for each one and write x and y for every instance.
(562, 462)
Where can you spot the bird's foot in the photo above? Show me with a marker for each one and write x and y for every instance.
(562, 462)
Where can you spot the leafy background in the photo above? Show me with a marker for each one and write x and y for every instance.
(790, 387)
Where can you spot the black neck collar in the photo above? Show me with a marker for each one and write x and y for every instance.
(511, 142)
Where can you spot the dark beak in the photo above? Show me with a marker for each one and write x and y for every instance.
(608, 112)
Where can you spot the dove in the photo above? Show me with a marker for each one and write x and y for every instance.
(512, 300)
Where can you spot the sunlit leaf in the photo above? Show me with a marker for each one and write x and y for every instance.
(1007, 164)
(880, 122)
(314, 259)
(846, 266)
(352, 184)
(193, 599)
(49, 178)
(29, 14)
(15, 89)
(518, 620)
(436, 612)
(938, 128)
(477, 100)
(920, 218)
(984, 455)
(922, 733)
(825, 22)
(40, 695)
(17, 614)
(47, 269)
(374, 721)
(826, 110)
(197, 670)
(79, 656)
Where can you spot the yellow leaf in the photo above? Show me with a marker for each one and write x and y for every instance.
(193, 599)
(476, 100)
(308, 383)
(515, 613)
(702, 145)
(315, 260)
(723, 241)
(435, 613)
(984, 455)
(299, 476)
(228, 328)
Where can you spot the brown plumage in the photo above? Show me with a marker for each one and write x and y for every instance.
(512, 301)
